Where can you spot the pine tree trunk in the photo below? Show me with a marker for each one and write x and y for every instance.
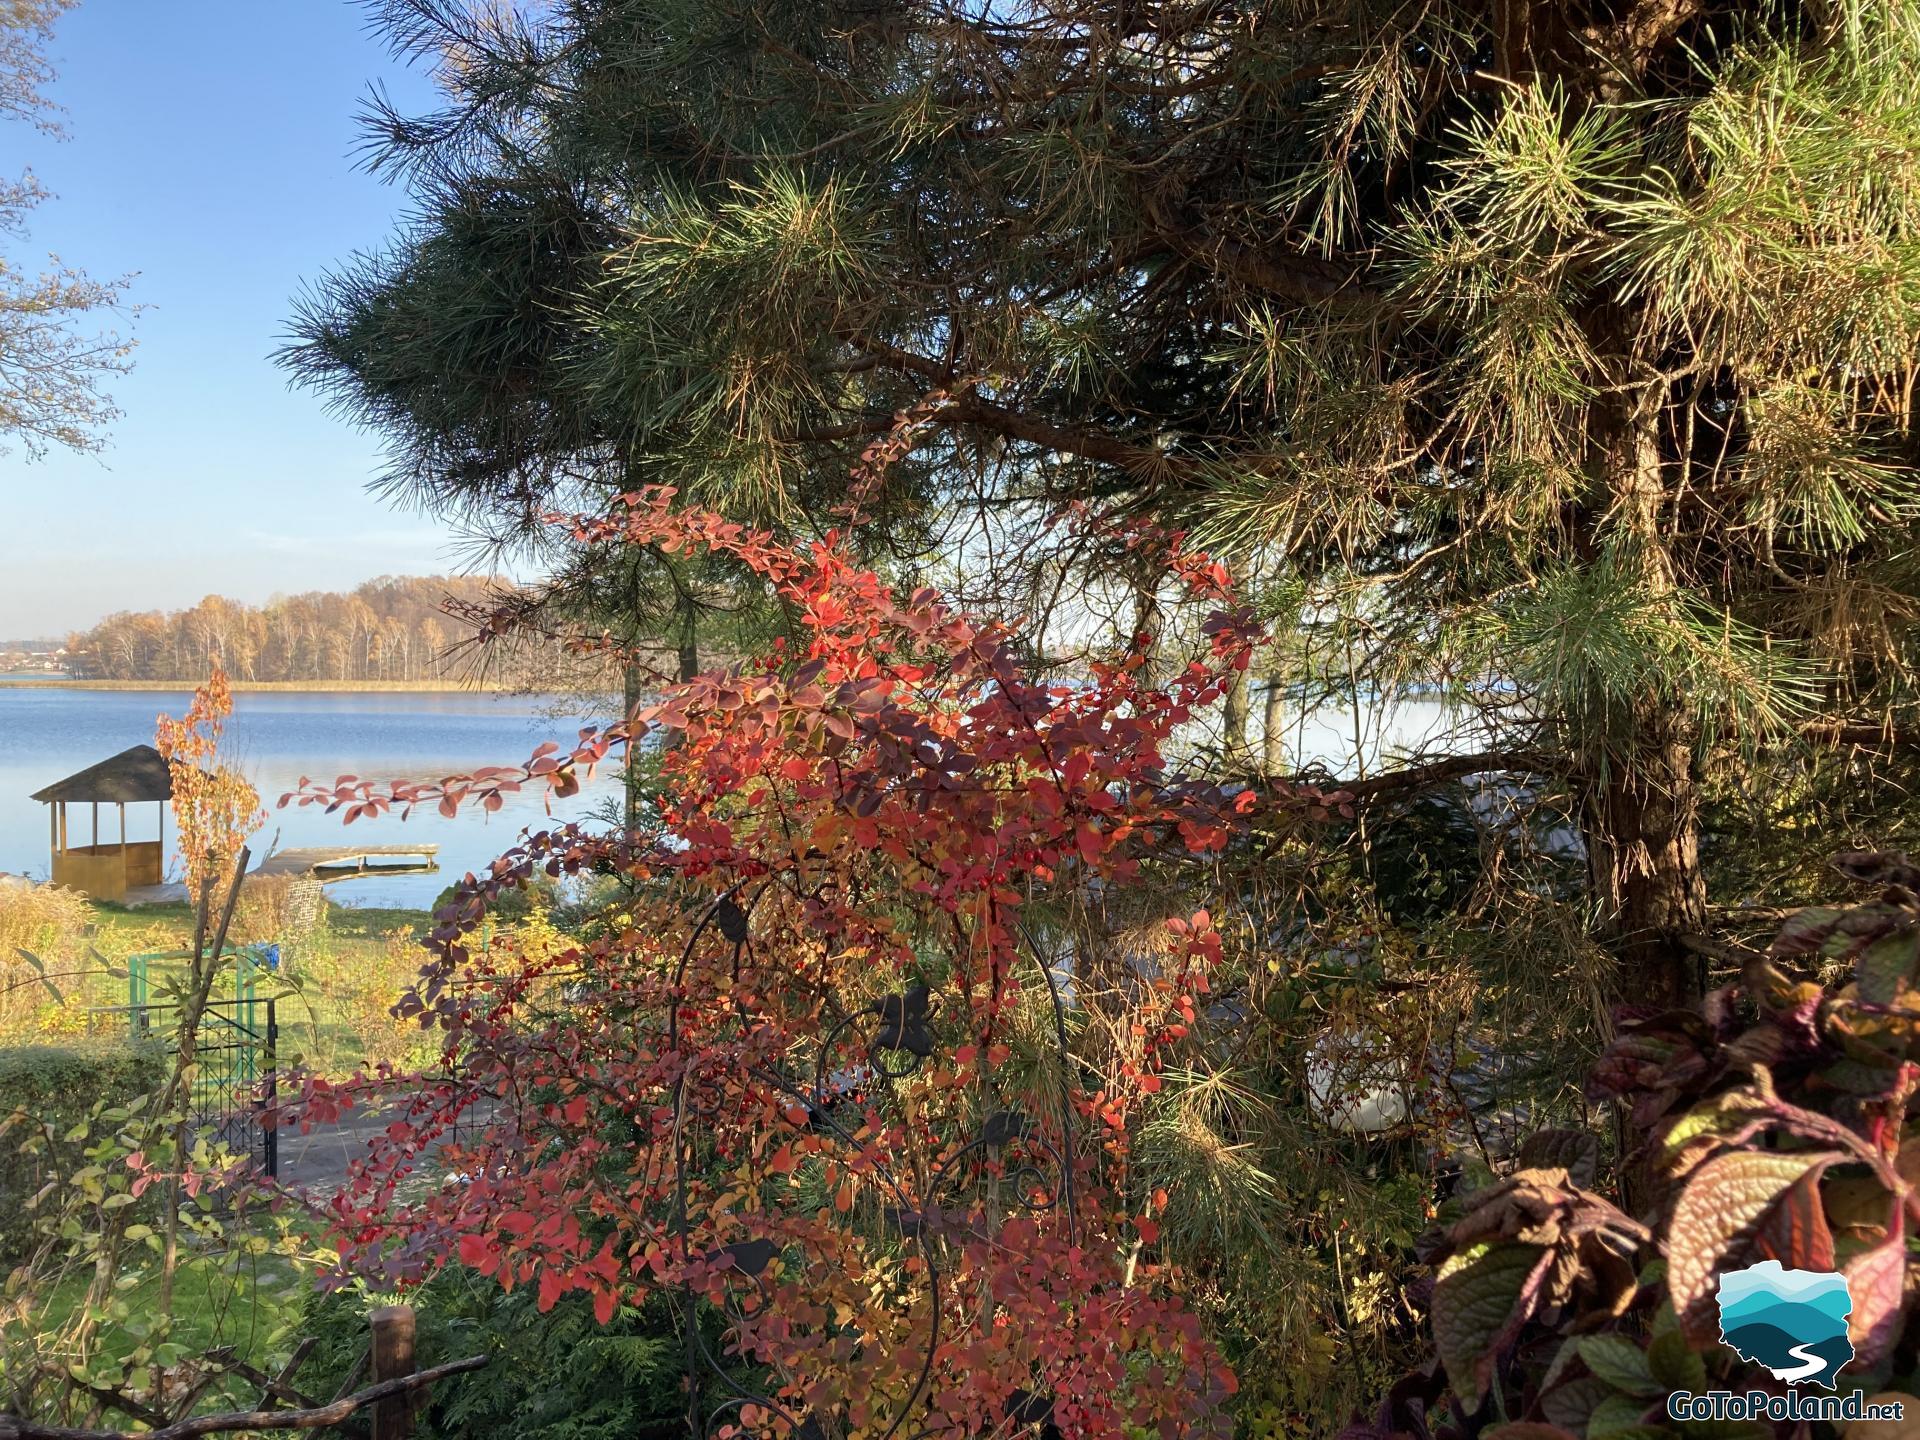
(1236, 713)
(1643, 841)
(631, 692)
(1273, 735)
(634, 691)
(689, 641)
(1643, 831)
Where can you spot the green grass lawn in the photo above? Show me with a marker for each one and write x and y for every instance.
(245, 1291)
(372, 924)
(247, 1301)
(173, 924)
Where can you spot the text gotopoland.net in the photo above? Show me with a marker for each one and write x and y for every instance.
(1758, 1404)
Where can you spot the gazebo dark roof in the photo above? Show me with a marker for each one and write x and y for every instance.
(135, 774)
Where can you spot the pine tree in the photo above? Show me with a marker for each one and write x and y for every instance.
(1562, 351)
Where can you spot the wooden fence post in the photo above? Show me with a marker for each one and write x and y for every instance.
(392, 1359)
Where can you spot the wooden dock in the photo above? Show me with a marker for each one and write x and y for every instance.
(321, 863)
(341, 862)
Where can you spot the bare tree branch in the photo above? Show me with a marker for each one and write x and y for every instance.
(14, 1428)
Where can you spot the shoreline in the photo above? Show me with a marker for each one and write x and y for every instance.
(343, 687)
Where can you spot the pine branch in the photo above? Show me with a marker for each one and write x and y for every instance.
(1455, 767)
(1631, 42)
(1077, 440)
(1298, 278)
(1414, 778)
(1878, 737)
(971, 409)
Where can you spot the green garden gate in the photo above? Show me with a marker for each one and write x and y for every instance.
(235, 1043)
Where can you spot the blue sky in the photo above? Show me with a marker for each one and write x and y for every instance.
(211, 150)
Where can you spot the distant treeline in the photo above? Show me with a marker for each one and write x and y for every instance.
(393, 629)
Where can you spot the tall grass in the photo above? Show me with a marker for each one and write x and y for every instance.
(41, 996)
(264, 911)
(337, 1012)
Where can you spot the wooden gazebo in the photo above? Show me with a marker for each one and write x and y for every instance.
(107, 872)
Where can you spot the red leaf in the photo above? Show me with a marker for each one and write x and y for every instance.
(1795, 1230)
(1718, 1224)
(1876, 1280)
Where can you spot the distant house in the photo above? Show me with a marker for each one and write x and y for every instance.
(42, 657)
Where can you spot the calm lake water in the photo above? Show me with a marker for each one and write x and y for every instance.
(47, 733)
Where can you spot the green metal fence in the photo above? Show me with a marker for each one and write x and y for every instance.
(234, 1047)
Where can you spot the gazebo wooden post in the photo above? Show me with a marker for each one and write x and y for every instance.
(123, 832)
(53, 827)
(63, 827)
(93, 835)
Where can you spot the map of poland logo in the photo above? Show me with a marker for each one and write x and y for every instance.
(1793, 1322)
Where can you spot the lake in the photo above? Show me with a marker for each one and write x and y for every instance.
(275, 737)
(48, 732)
